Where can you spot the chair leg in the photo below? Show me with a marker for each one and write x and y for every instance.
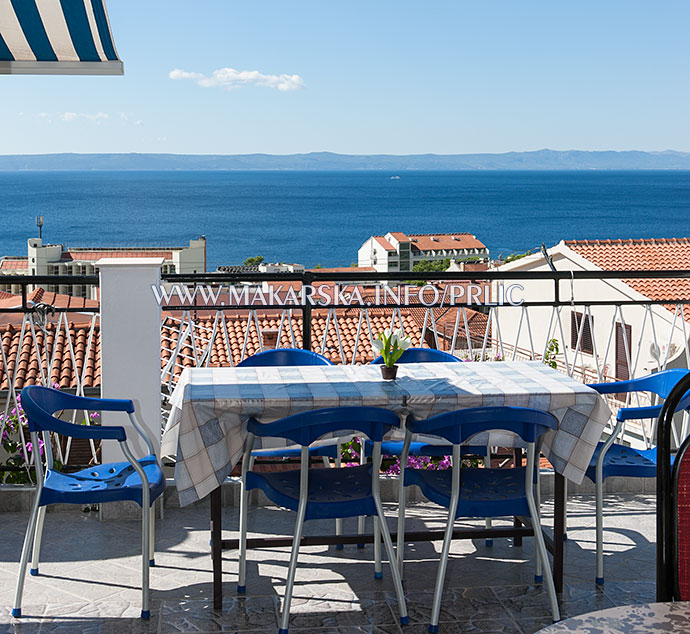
(339, 520)
(443, 564)
(538, 574)
(599, 486)
(361, 526)
(145, 560)
(285, 617)
(152, 536)
(395, 572)
(244, 504)
(565, 510)
(540, 547)
(378, 574)
(400, 546)
(28, 538)
(488, 542)
(37, 541)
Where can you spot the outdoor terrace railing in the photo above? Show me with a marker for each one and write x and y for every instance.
(44, 344)
(583, 323)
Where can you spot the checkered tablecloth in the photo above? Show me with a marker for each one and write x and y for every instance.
(210, 407)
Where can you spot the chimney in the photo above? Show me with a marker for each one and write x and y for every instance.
(269, 338)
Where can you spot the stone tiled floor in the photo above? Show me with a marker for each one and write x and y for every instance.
(89, 578)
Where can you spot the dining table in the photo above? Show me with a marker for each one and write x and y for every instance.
(210, 407)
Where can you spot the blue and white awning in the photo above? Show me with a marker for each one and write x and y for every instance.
(56, 37)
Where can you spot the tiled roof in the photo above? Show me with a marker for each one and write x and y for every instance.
(384, 243)
(642, 254)
(25, 363)
(7, 300)
(14, 264)
(77, 255)
(344, 269)
(236, 328)
(433, 241)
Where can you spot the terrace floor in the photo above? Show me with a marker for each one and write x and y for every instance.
(90, 576)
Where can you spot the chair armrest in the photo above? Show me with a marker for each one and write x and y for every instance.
(71, 401)
(633, 413)
(97, 432)
(617, 387)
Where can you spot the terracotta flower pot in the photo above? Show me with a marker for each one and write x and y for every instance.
(389, 373)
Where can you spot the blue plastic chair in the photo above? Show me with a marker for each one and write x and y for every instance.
(475, 492)
(95, 485)
(614, 459)
(422, 448)
(284, 356)
(421, 355)
(322, 493)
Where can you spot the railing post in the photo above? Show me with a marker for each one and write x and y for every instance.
(307, 279)
(131, 346)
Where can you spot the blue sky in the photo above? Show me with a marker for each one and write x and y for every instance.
(367, 77)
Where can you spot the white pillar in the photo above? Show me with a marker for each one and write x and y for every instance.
(131, 346)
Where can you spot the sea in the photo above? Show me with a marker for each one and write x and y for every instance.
(322, 218)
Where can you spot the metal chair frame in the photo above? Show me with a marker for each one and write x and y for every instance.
(40, 420)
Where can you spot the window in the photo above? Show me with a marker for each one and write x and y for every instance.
(586, 344)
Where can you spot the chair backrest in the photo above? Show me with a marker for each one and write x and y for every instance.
(460, 425)
(40, 403)
(673, 504)
(659, 383)
(421, 355)
(284, 356)
(309, 426)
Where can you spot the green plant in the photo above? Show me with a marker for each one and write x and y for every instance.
(255, 261)
(516, 256)
(551, 353)
(391, 345)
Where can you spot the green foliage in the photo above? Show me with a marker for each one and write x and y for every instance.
(551, 353)
(516, 256)
(255, 261)
(319, 266)
(431, 266)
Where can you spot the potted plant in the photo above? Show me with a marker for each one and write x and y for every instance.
(391, 345)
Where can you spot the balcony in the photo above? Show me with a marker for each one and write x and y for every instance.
(94, 581)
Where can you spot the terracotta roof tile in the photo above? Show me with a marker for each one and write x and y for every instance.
(643, 254)
(14, 264)
(76, 255)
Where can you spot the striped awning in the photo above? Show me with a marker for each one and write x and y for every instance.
(56, 37)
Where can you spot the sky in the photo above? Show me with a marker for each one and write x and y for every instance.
(369, 77)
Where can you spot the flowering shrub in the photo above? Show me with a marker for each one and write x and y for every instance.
(390, 465)
(14, 426)
(16, 469)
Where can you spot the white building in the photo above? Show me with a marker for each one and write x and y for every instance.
(55, 259)
(400, 252)
(604, 342)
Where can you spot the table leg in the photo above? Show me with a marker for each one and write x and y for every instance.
(217, 548)
(558, 531)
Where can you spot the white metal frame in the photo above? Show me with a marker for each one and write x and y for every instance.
(541, 557)
(380, 530)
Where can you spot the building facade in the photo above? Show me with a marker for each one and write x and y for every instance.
(55, 259)
(398, 252)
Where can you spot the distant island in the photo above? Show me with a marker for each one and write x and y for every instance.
(328, 161)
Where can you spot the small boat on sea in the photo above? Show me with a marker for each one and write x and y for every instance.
(395, 178)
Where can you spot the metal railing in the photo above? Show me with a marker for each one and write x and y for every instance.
(44, 344)
(621, 331)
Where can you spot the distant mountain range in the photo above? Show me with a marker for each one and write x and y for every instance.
(539, 160)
